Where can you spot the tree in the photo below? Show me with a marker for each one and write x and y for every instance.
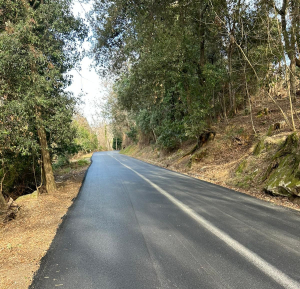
(86, 139)
(180, 66)
(290, 29)
(37, 48)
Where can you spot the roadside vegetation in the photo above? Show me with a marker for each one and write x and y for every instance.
(45, 145)
(264, 165)
(204, 80)
(39, 126)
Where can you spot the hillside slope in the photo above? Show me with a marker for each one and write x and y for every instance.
(265, 164)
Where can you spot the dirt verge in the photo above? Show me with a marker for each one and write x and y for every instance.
(25, 240)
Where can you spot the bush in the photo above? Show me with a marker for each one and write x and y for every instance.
(171, 135)
(61, 161)
(19, 174)
(83, 163)
(132, 134)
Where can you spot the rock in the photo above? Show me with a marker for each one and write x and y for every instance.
(280, 190)
(274, 141)
(34, 195)
(289, 147)
(296, 190)
(284, 191)
(296, 201)
(282, 175)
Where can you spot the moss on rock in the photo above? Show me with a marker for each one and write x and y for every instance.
(34, 195)
(282, 175)
(289, 146)
(259, 147)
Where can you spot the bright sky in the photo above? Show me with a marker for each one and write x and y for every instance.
(86, 80)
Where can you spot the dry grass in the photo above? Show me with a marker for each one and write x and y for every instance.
(25, 240)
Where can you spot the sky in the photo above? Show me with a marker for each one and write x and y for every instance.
(86, 80)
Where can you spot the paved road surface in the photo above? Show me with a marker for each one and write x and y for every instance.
(137, 226)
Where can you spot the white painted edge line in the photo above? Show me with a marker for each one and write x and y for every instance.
(271, 271)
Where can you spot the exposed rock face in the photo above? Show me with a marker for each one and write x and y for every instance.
(283, 174)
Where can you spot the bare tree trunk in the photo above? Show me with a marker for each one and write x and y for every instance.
(287, 47)
(224, 107)
(291, 103)
(154, 135)
(202, 35)
(46, 161)
(2, 203)
(293, 79)
(214, 104)
(231, 98)
(2, 200)
(249, 100)
(289, 40)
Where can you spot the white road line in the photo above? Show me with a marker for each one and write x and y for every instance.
(274, 273)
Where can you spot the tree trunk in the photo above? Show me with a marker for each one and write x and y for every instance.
(230, 89)
(202, 35)
(46, 161)
(2, 200)
(289, 40)
(2, 203)
(293, 78)
(249, 100)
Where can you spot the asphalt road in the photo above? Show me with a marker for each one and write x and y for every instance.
(137, 226)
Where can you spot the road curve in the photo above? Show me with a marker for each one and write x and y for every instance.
(137, 226)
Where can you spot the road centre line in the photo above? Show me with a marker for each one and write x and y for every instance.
(271, 271)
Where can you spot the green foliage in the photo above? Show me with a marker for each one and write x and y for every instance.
(179, 66)
(82, 163)
(86, 140)
(37, 49)
(171, 134)
(19, 174)
(167, 89)
(132, 134)
(144, 119)
(64, 165)
(129, 150)
(61, 161)
(117, 143)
